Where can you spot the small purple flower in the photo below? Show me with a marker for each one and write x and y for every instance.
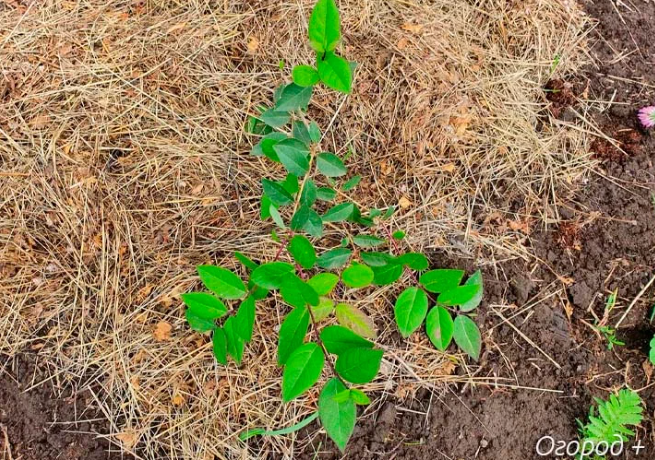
(647, 116)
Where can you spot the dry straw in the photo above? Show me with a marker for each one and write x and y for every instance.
(123, 164)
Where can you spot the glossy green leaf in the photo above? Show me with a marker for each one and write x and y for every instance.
(314, 132)
(302, 370)
(368, 241)
(276, 193)
(326, 194)
(357, 276)
(290, 184)
(245, 319)
(338, 418)
(305, 75)
(297, 293)
(302, 251)
(292, 333)
(359, 397)
(334, 258)
(204, 305)
(222, 282)
(234, 342)
(293, 155)
(275, 118)
(338, 339)
(245, 260)
(219, 345)
(294, 97)
(270, 275)
(324, 26)
(459, 295)
(276, 216)
(198, 323)
(323, 283)
(414, 260)
(330, 165)
(354, 319)
(308, 195)
(410, 310)
(441, 280)
(324, 308)
(335, 72)
(339, 213)
(387, 274)
(351, 183)
(439, 327)
(358, 365)
(474, 279)
(307, 220)
(377, 259)
(467, 336)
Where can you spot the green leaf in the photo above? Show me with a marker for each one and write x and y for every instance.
(302, 370)
(377, 259)
(355, 320)
(275, 215)
(339, 212)
(335, 73)
(295, 427)
(467, 336)
(324, 26)
(334, 258)
(359, 397)
(204, 305)
(293, 155)
(292, 333)
(441, 280)
(308, 196)
(245, 319)
(324, 308)
(439, 327)
(351, 183)
(302, 251)
(338, 418)
(338, 339)
(410, 310)
(198, 323)
(651, 353)
(474, 279)
(294, 97)
(290, 184)
(297, 293)
(256, 126)
(387, 274)
(234, 342)
(219, 345)
(300, 132)
(271, 274)
(459, 295)
(222, 282)
(276, 193)
(358, 365)
(275, 118)
(398, 235)
(368, 241)
(305, 75)
(268, 142)
(326, 194)
(265, 207)
(323, 283)
(357, 276)
(245, 260)
(414, 260)
(314, 132)
(330, 165)
(308, 220)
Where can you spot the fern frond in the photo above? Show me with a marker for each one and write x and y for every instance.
(614, 417)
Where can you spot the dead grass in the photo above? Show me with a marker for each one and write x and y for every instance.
(124, 165)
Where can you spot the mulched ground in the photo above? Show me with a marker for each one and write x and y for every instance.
(607, 242)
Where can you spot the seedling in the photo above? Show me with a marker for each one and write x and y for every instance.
(609, 422)
(608, 332)
(313, 283)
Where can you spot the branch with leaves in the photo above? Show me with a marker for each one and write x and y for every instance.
(314, 285)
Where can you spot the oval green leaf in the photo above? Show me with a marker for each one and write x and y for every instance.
(467, 336)
(474, 279)
(271, 274)
(439, 327)
(219, 345)
(234, 343)
(338, 418)
(441, 280)
(204, 305)
(338, 339)
(357, 276)
(355, 320)
(410, 310)
(459, 295)
(302, 251)
(339, 213)
(222, 282)
(414, 260)
(330, 165)
(335, 72)
(387, 274)
(334, 258)
(276, 193)
(292, 333)
(368, 241)
(358, 365)
(294, 97)
(293, 155)
(297, 293)
(245, 319)
(305, 75)
(324, 26)
(302, 370)
(324, 308)
(323, 283)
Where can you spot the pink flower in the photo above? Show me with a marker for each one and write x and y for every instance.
(647, 116)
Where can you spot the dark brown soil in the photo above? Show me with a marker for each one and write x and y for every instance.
(43, 424)
(606, 242)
